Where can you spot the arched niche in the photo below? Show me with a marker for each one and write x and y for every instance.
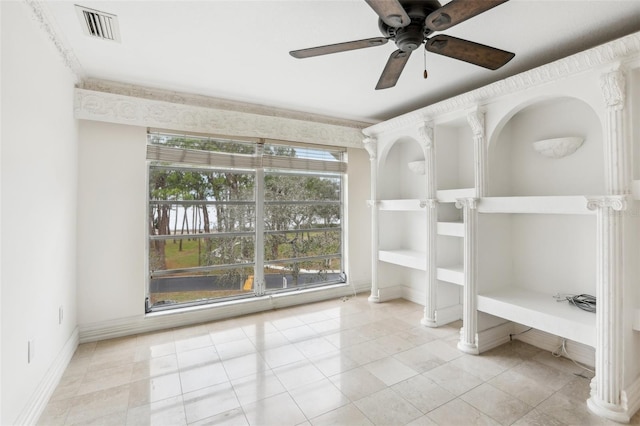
(518, 167)
(395, 178)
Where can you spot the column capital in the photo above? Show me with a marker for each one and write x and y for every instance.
(475, 118)
(613, 89)
(371, 145)
(372, 203)
(617, 203)
(429, 202)
(426, 135)
(470, 203)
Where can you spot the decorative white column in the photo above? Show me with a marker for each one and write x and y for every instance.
(607, 398)
(606, 387)
(371, 145)
(475, 118)
(469, 333)
(431, 221)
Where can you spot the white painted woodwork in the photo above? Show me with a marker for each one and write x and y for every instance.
(535, 221)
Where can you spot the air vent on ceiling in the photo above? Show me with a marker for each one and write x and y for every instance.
(98, 24)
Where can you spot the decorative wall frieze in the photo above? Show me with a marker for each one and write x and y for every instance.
(372, 203)
(121, 109)
(616, 50)
(197, 100)
(40, 15)
(431, 203)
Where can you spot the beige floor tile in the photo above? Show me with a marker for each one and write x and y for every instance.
(422, 393)
(210, 401)
(348, 415)
(318, 398)
(282, 355)
(543, 374)
(256, 387)
(525, 389)
(189, 343)
(196, 357)
(497, 404)
(479, 365)
(246, 365)
(202, 376)
(267, 341)
(453, 379)
(333, 363)
(346, 338)
(278, 410)
(536, 417)
(386, 407)
(442, 350)
(227, 335)
(155, 367)
(233, 417)
(328, 326)
(166, 412)
(315, 346)
(105, 378)
(235, 348)
(357, 383)
(299, 334)
(364, 353)
(91, 406)
(146, 391)
(55, 413)
(298, 374)
(154, 350)
(569, 411)
(458, 413)
(419, 359)
(390, 370)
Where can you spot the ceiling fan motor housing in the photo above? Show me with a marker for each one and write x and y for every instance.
(410, 37)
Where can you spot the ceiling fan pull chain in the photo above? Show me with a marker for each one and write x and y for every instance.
(425, 62)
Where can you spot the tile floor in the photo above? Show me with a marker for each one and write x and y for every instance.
(342, 361)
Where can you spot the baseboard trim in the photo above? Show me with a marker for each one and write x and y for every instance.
(579, 352)
(40, 398)
(494, 336)
(448, 315)
(195, 315)
(390, 293)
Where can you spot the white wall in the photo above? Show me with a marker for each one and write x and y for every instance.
(111, 221)
(39, 182)
(112, 225)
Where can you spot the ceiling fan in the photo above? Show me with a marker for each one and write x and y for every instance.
(409, 23)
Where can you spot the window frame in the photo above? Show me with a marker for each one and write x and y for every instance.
(257, 164)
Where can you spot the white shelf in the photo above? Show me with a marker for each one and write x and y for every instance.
(451, 229)
(450, 195)
(451, 274)
(409, 258)
(544, 205)
(401, 205)
(540, 311)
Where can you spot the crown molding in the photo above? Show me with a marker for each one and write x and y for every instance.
(617, 50)
(40, 15)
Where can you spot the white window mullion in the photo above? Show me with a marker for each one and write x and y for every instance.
(258, 279)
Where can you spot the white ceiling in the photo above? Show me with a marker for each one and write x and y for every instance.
(238, 49)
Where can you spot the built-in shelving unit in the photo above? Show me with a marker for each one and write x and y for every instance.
(541, 311)
(520, 191)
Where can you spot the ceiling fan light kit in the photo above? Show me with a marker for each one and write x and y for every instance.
(409, 23)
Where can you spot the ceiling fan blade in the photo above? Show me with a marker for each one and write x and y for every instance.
(391, 12)
(457, 11)
(393, 69)
(338, 47)
(468, 51)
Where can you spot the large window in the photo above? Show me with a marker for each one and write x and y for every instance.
(238, 218)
